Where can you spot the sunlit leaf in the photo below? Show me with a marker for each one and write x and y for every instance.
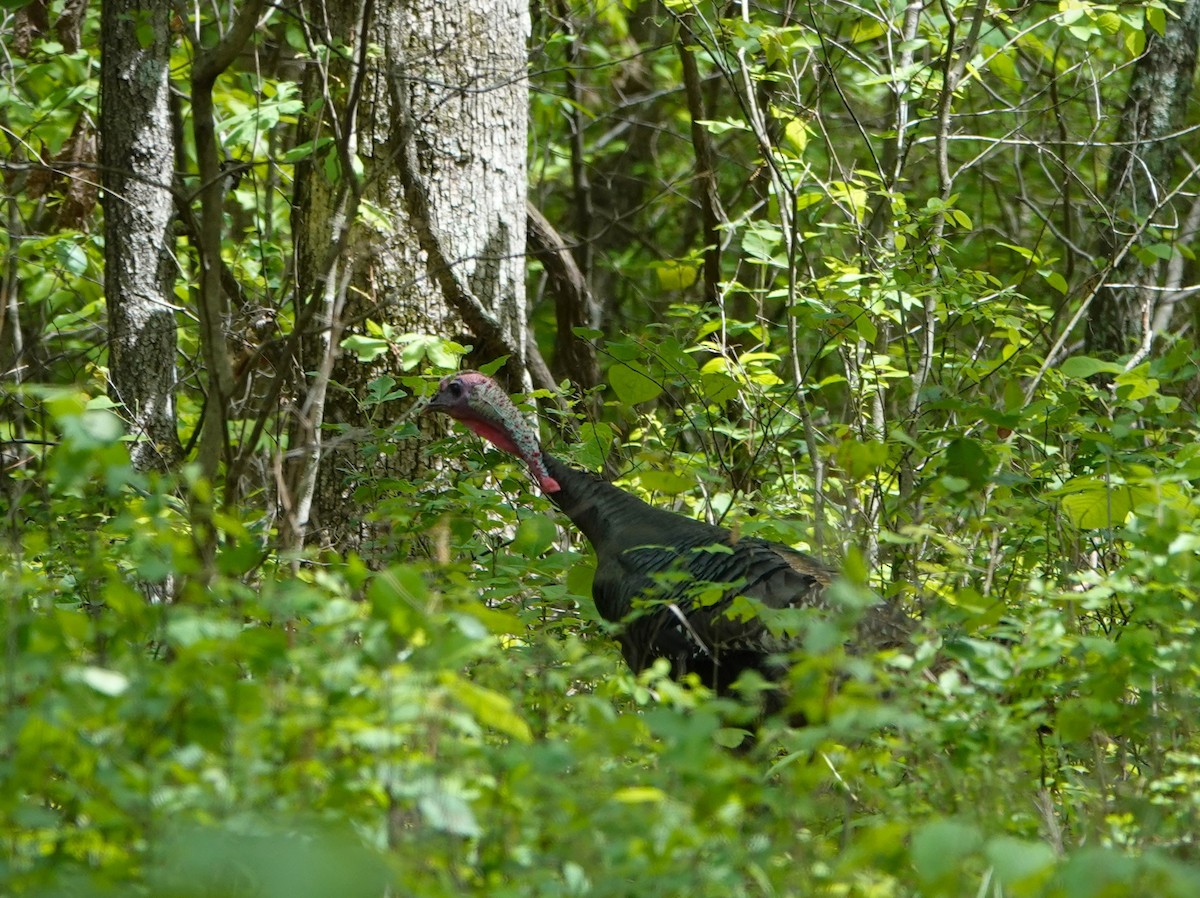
(639, 795)
(106, 682)
(447, 810)
(665, 481)
(632, 383)
(796, 135)
(1092, 504)
(367, 349)
(488, 707)
(1156, 18)
(676, 275)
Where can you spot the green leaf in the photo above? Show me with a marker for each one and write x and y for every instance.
(639, 795)
(331, 168)
(535, 534)
(106, 682)
(488, 707)
(296, 38)
(1135, 43)
(236, 557)
(718, 387)
(676, 275)
(796, 135)
(859, 458)
(187, 630)
(852, 195)
(1017, 860)
(1097, 871)
(1083, 31)
(715, 127)
(145, 34)
(446, 809)
(866, 29)
(1004, 67)
(594, 443)
(497, 621)
(940, 846)
(383, 389)
(953, 484)
(967, 459)
(305, 150)
(491, 367)
(632, 383)
(1156, 18)
(761, 241)
(580, 578)
(1185, 544)
(440, 352)
(1134, 385)
(1056, 280)
(664, 481)
(93, 429)
(1083, 367)
(367, 349)
(1092, 504)
(398, 596)
(71, 256)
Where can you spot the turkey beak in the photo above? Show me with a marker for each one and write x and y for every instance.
(439, 402)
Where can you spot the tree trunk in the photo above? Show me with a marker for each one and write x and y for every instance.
(1138, 195)
(136, 156)
(426, 238)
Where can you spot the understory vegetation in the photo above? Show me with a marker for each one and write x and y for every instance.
(462, 721)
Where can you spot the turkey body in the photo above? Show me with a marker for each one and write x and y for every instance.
(670, 582)
(710, 603)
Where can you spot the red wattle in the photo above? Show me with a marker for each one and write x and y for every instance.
(492, 434)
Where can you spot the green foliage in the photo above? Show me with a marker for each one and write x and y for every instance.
(450, 716)
(280, 731)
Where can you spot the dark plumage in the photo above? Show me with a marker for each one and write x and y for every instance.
(678, 587)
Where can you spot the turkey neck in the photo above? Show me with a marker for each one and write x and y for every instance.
(615, 521)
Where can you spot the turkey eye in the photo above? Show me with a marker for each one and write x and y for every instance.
(455, 389)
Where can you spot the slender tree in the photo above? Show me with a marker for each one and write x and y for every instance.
(137, 153)
(1142, 186)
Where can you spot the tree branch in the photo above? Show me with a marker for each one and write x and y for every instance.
(212, 302)
(711, 213)
(574, 305)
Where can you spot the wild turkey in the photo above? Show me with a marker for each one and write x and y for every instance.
(690, 592)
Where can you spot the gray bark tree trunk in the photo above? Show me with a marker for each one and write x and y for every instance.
(428, 238)
(1139, 193)
(137, 152)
